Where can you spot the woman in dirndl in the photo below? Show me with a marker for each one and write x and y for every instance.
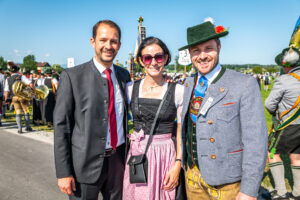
(164, 160)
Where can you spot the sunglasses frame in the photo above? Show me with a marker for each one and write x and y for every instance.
(155, 57)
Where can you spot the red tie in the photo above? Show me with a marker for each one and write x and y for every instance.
(111, 111)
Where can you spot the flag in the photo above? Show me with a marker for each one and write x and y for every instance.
(295, 39)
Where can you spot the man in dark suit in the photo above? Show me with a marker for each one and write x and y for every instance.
(90, 121)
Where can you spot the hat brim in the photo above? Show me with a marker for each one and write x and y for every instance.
(217, 35)
(279, 58)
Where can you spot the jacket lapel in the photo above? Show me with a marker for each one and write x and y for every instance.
(216, 92)
(189, 85)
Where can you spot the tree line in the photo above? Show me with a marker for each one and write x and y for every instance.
(29, 64)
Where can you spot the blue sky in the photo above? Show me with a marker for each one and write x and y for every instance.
(54, 30)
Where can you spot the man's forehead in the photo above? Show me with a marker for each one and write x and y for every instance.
(105, 29)
(211, 42)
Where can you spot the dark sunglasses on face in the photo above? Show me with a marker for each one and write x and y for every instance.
(147, 58)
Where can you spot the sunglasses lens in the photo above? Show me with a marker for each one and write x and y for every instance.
(147, 59)
(159, 58)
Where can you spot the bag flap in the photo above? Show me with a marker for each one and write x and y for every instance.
(134, 160)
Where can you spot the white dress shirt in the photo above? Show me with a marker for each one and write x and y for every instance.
(211, 75)
(41, 81)
(118, 105)
(179, 90)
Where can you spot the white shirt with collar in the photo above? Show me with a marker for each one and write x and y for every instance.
(41, 81)
(118, 105)
(211, 75)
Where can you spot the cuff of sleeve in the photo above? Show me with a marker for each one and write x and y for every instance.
(250, 187)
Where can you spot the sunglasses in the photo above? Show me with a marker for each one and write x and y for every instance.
(147, 58)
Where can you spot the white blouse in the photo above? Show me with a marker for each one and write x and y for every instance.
(178, 95)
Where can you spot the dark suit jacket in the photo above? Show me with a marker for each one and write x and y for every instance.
(81, 120)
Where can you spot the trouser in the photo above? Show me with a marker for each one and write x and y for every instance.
(110, 182)
(20, 103)
(197, 188)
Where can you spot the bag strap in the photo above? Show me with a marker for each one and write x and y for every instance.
(155, 119)
(293, 107)
(296, 102)
(53, 87)
(295, 75)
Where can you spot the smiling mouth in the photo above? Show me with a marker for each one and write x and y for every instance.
(204, 63)
(108, 52)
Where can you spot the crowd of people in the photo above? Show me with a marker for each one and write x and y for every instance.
(205, 138)
(42, 109)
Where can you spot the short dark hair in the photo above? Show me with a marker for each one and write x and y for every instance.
(109, 23)
(218, 41)
(149, 41)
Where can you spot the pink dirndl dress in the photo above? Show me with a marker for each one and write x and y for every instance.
(161, 157)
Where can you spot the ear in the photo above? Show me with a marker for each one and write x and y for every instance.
(119, 45)
(92, 41)
(219, 48)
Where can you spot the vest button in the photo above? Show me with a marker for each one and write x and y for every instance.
(213, 156)
(210, 121)
(212, 140)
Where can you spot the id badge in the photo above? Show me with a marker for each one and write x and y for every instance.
(206, 106)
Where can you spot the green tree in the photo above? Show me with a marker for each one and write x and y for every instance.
(57, 68)
(272, 69)
(2, 63)
(29, 63)
(257, 70)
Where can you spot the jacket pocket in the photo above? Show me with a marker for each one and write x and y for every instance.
(228, 112)
(235, 163)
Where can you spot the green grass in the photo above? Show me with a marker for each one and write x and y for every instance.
(268, 180)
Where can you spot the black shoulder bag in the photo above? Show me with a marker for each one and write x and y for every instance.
(138, 165)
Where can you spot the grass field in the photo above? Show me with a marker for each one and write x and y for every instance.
(267, 180)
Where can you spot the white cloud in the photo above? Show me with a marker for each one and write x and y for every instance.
(28, 51)
(47, 55)
(16, 51)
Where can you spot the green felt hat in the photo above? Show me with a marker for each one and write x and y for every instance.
(202, 33)
(280, 58)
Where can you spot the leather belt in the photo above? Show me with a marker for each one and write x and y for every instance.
(109, 152)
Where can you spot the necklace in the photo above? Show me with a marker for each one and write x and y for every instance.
(152, 87)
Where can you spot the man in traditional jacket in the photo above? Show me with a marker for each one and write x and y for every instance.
(284, 98)
(224, 129)
(90, 121)
(19, 103)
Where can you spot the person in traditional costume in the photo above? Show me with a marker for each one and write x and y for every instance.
(19, 103)
(48, 104)
(283, 103)
(224, 133)
(145, 96)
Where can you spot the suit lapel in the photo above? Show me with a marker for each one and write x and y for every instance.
(97, 74)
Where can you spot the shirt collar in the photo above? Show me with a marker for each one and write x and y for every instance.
(100, 67)
(296, 68)
(212, 74)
